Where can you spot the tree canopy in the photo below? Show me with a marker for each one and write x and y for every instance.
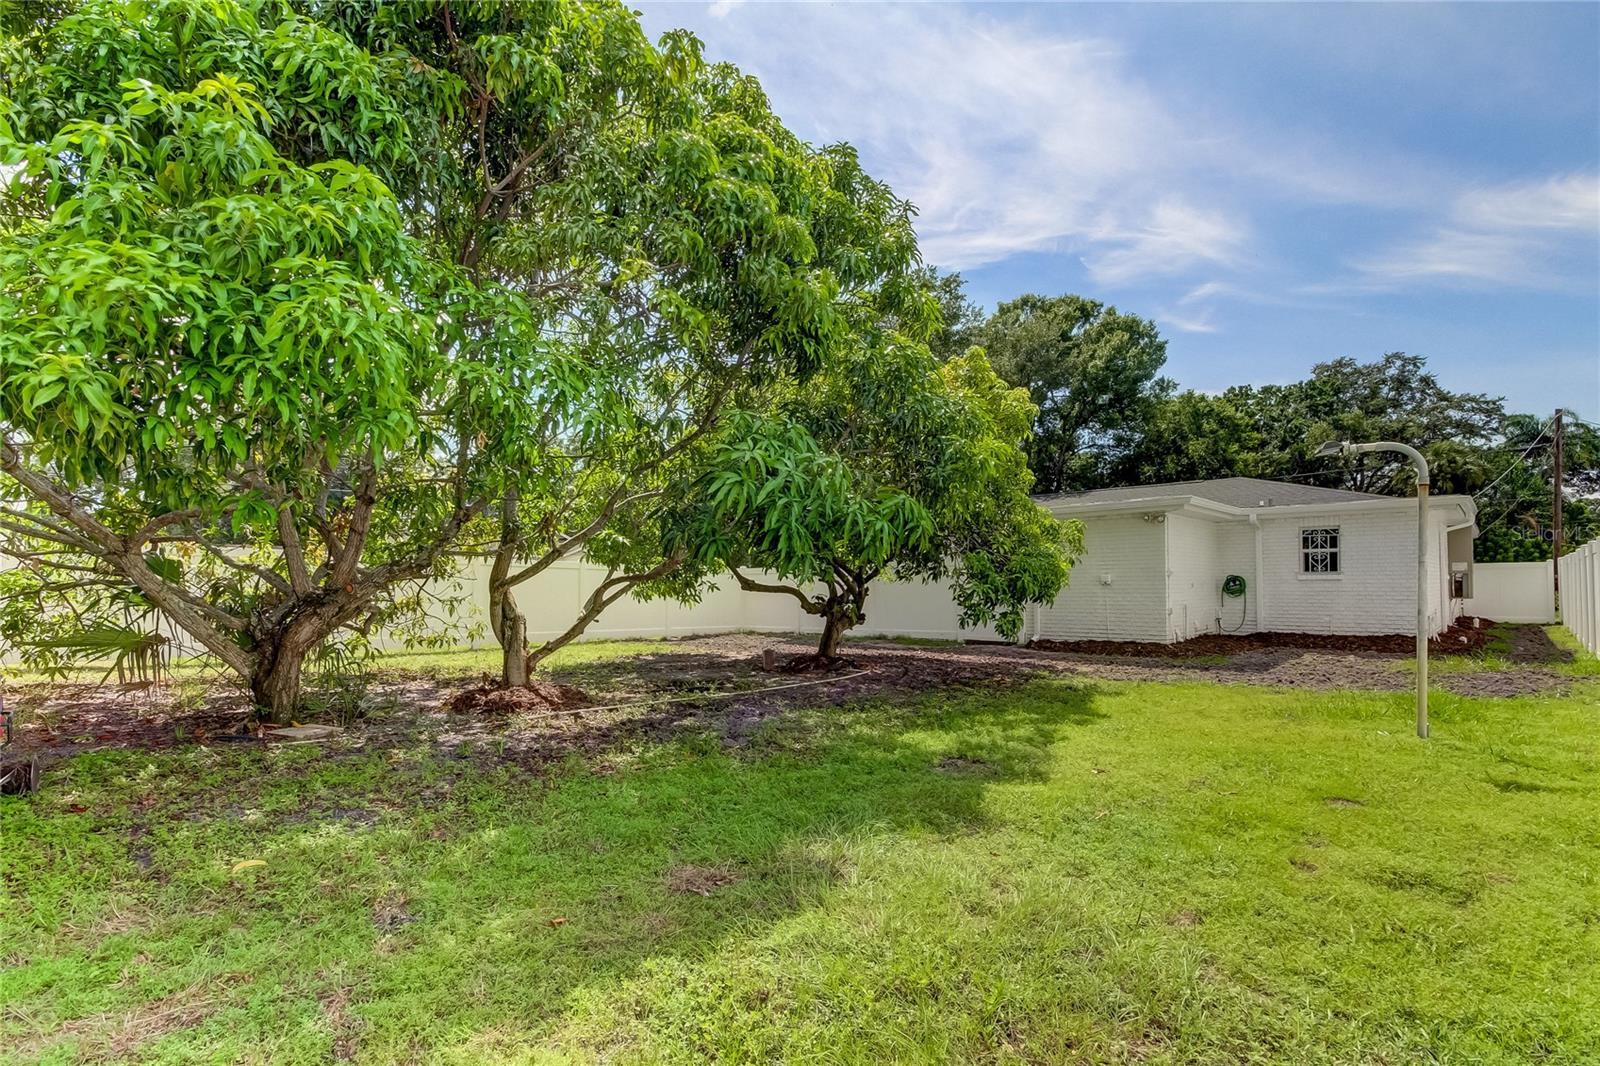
(883, 464)
(1394, 397)
(1091, 371)
(303, 300)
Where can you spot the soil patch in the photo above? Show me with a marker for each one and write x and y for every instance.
(1466, 636)
(699, 880)
(960, 766)
(816, 663)
(1527, 644)
(723, 684)
(539, 695)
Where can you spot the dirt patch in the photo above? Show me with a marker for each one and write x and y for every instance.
(1466, 636)
(1504, 684)
(699, 880)
(1340, 801)
(959, 766)
(345, 1026)
(1185, 919)
(817, 663)
(391, 912)
(1527, 644)
(82, 717)
(722, 684)
(119, 1036)
(538, 696)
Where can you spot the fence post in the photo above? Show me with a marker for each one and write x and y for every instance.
(1582, 606)
(1572, 615)
(1582, 611)
(1573, 569)
(1581, 570)
(1592, 580)
(1576, 567)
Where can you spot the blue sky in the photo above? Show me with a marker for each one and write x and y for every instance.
(1275, 184)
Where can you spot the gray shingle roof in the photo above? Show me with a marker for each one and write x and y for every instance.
(1232, 491)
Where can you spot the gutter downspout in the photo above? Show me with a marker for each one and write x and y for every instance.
(1261, 583)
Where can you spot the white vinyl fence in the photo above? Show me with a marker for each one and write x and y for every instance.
(551, 600)
(1580, 594)
(458, 614)
(1512, 592)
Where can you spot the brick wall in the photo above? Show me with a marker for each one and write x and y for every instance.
(1117, 590)
(1375, 591)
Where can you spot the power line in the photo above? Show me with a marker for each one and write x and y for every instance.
(1518, 460)
(1506, 511)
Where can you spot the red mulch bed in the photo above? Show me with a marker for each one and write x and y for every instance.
(536, 697)
(1462, 638)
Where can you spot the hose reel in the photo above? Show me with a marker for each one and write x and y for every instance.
(1234, 587)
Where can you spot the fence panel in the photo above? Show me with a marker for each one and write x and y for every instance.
(1512, 592)
(1580, 594)
(552, 599)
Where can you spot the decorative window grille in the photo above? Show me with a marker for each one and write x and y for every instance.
(1319, 550)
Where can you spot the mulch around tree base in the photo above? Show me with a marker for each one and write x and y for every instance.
(539, 695)
(1462, 638)
(732, 684)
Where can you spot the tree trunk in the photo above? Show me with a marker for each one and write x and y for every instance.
(281, 655)
(832, 633)
(502, 607)
(514, 654)
(275, 683)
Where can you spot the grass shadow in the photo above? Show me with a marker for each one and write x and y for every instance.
(401, 902)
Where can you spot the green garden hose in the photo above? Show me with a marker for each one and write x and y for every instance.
(1234, 586)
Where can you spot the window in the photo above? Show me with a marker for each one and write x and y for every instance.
(1319, 550)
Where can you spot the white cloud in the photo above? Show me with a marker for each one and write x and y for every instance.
(1207, 291)
(1451, 253)
(1007, 140)
(1568, 202)
(1525, 234)
(1012, 136)
(1185, 323)
(1176, 237)
(719, 9)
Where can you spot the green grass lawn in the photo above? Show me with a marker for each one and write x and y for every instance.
(1056, 873)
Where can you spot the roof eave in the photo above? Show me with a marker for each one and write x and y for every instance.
(1202, 507)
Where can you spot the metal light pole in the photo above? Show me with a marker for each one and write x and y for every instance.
(1333, 448)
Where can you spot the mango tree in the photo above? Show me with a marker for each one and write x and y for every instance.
(303, 301)
(884, 463)
(742, 257)
(255, 373)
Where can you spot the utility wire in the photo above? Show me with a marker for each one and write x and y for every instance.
(1518, 460)
(1505, 512)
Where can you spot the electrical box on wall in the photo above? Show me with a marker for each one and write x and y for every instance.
(1105, 579)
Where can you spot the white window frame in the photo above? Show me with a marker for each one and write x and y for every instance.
(1332, 545)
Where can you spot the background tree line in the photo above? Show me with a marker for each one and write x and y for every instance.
(1107, 416)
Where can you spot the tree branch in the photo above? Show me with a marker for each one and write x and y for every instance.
(810, 604)
(609, 591)
(57, 498)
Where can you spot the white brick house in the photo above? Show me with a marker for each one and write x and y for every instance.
(1313, 560)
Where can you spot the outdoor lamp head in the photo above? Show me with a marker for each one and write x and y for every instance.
(1332, 448)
